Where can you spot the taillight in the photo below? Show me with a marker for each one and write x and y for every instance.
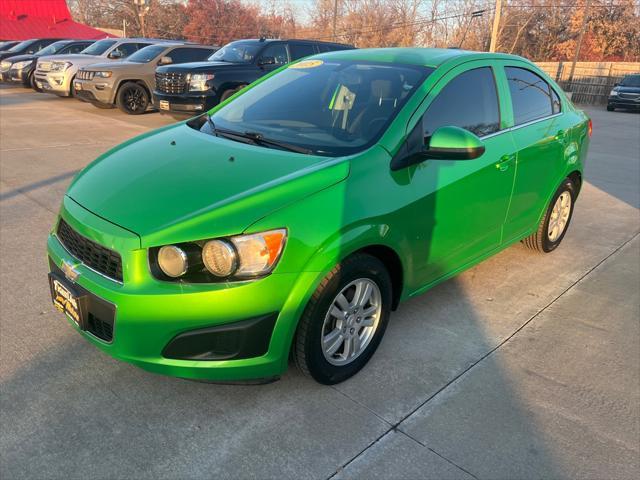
(590, 128)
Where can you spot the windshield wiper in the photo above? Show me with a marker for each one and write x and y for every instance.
(258, 139)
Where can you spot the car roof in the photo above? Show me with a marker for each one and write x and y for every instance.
(301, 40)
(430, 57)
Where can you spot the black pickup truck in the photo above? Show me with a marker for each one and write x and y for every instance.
(192, 88)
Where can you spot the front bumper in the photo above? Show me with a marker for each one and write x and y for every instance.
(150, 314)
(94, 91)
(190, 104)
(58, 83)
(620, 102)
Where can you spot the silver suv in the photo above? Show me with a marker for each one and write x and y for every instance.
(54, 74)
(129, 83)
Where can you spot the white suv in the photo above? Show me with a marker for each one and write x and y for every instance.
(55, 74)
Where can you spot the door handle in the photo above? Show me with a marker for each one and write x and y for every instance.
(505, 162)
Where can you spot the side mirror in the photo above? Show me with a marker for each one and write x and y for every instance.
(116, 54)
(454, 143)
(165, 60)
(617, 84)
(267, 61)
(447, 143)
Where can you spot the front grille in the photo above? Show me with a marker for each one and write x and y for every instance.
(629, 96)
(93, 255)
(171, 82)
(100, 328)
(85, 75)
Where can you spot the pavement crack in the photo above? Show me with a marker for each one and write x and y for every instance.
(396, 426)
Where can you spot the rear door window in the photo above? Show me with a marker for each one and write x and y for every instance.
(299, 50)
(469, 101)
(531, 95)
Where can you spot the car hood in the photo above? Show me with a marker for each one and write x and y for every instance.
(21, 58)
(76, 58)
(117, 65)
(201, 66)
(622, 89)
(177, 184)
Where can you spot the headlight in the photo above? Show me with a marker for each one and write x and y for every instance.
(60, 66)
(198, 81)
(21, 65)
(238, 257)
(4, 66)
(220, 258)
(102, 74)
(613, 93)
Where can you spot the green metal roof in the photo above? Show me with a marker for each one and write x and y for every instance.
(431, 57)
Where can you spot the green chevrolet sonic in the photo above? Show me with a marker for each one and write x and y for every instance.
(290, 220)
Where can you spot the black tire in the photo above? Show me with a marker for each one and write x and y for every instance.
(540, 241)
(227, 93)
(72, 89)
(610, 108)
(132, 98)
(307, 348)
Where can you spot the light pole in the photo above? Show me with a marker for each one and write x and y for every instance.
(585, 19)
(335, 16)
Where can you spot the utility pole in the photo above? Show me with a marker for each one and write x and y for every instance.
(585, 19)
(335, 16)
(496, 25)
(142, 8)
(476, 14)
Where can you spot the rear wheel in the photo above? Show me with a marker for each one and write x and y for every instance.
(132, 98)
(345, 320)
(553, 226)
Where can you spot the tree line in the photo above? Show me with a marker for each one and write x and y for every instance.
(543, 30)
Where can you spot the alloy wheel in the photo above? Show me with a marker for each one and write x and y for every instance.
(351, 322)
(559, 216)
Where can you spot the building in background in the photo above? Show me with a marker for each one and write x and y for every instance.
(25, 19)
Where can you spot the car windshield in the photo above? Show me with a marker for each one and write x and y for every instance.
(630, 81)
(146, 54)
(236, 52)
(347, 105)
(19, 46)
(99, 47)
(52, 49)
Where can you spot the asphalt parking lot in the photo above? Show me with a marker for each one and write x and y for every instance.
(526, 366)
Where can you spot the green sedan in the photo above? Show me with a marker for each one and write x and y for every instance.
(289, 221)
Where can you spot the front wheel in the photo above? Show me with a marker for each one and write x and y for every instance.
(345, 320)
(555, 222)
(132, 98)
(610, 108)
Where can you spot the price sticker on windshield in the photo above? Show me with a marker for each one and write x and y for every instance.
(307, 64)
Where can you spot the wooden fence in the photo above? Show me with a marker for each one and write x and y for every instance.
(592, 81)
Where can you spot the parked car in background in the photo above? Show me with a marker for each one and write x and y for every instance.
(8, 44)
(20, 69)
(27, 47)
(55, 74)
(625, 94)
(291, 221)
(193, 88)
(129, 83)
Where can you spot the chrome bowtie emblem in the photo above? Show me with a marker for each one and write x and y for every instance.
(69, 271)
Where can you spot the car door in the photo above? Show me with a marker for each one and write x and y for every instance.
(461, 205)
(540, 135)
